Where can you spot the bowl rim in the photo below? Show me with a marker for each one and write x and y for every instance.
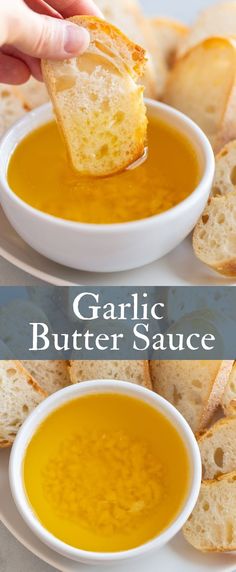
(198, 139)
(66, 395)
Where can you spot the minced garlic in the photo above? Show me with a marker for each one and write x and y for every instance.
(104, 481)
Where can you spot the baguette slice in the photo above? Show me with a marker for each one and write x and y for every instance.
(52, 375)
(212, 525)
(229, 397)
(11, 108)
(134, 371)
(218, 448)
(202, 85)
(195, 388)
(214, 237)
(98, 104)
(216, 20)
(128, 16)
(168, 36)
(225, 174)
(19, 395)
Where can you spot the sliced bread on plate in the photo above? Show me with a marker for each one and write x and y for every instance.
(19, 395)
(202, 85)
(195, 388)
(167, 37)
(214, 237)
(218, 448)
(216, 20)
(229, 396)
(11, 108)
(135, 371)
(98, 104)
(225, 173)
(52, 375)
(212, 525)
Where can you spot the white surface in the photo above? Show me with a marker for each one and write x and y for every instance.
(179, 268)
(177, 556)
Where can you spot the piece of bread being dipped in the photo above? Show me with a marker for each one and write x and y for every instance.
(98, 104)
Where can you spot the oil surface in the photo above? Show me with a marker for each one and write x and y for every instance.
(40, 173)
(106, 473)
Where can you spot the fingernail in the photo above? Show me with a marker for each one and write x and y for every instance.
(76, 39)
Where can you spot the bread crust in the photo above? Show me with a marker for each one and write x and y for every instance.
(129, 17)
(209, 24)
(225, 126)
(229, 477)
(202, 435)
(17, 365)
(146, 373)
(216, 392)
(4, 444)
(226, 265)
(176, 25)
(94, 23)
(167, 34)
(30, 380)
(216, 384)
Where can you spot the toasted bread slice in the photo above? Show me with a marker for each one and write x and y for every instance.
(19, 395)
(32, 94)
(136, 371)
(52, 375)
(202, 85)
(212, 525)
(216, 20)
(128, 16)
(98, 104)
(229, 396)
(195, 388)
(218, 448)
(11, 108)
(225, 174)
(168, 36)
(214, 237)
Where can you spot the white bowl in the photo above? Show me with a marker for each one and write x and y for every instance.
(110, 247)
(90, 387)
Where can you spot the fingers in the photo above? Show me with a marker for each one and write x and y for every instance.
(45, 37)
(13, 70)
(43, 7)
(33, 64)
(74, 7)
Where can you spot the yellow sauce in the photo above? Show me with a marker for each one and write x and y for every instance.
(106, 473)
(40, 173)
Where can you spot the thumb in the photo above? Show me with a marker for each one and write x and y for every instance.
(44, 36)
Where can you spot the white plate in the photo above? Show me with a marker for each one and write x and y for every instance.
(179, 268)
(177, 556)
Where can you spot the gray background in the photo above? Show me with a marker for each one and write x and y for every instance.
(13, 557)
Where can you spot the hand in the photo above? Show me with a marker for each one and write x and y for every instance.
(35, 29)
